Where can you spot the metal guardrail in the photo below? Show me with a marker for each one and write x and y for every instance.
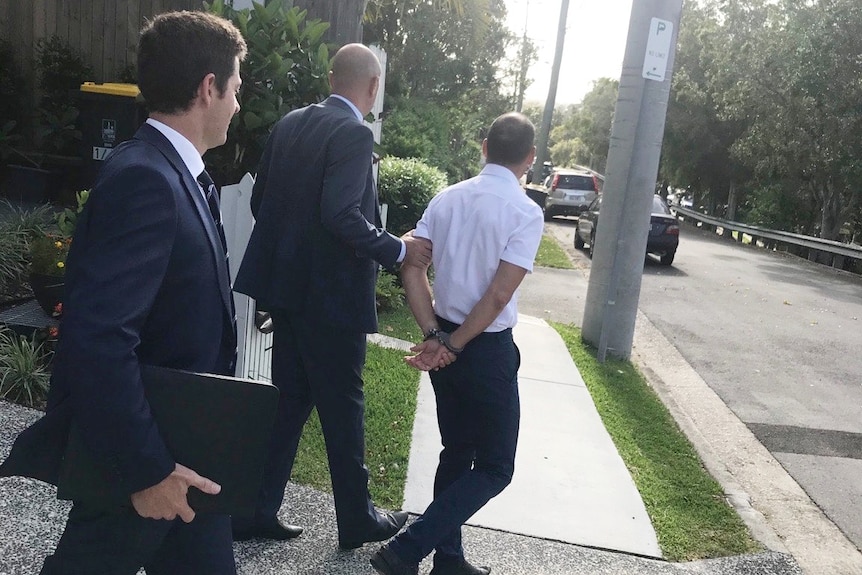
(771, 238)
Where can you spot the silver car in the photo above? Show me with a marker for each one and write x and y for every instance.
(570, 192)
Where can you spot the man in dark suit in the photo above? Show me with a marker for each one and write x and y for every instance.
(312, 261)
(147, 283)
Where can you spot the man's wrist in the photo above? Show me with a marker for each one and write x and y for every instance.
(445, 339)
(431, 333)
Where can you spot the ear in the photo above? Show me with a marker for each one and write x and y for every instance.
(373, 87)
(485, 148)
(207, 89)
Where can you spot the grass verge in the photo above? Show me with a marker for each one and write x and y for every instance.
(687, 507)
(399, 323)
(390, 405)
(551, 255)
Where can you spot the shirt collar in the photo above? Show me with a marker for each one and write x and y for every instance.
(501, 172)
(187, 151)
(349, 103)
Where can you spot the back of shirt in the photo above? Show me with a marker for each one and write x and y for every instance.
(474, 225)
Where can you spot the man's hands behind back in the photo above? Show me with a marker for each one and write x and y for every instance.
(430, 355)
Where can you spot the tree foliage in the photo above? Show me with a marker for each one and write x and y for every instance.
(443, 83)
(286, 68)
(583, 136)
(764, 114)
(766, 94)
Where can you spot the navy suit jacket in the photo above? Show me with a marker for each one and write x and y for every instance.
(146, 282)
(317, 239)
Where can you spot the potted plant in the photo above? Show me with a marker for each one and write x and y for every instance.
(48, 252)
(47, 269)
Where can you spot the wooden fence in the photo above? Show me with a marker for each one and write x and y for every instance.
(104, 32)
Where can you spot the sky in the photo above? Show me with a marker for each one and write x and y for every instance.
(594, 46)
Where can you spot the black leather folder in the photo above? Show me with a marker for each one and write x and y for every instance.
(218, 426)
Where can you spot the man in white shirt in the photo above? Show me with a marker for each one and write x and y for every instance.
(484, 232)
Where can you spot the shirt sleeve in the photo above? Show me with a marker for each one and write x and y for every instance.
(524, 242)
(425, 227)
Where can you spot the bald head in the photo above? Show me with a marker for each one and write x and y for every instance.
(354, 65)
(355, 75)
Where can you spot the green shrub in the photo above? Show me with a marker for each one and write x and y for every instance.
(24, 376)
(17, 228)
(286, 68)
(390, 294)
(60, 70)
(406, 186)
(13, 259)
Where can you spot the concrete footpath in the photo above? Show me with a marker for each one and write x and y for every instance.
(570, 484)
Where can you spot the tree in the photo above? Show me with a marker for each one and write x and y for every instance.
(443, 74)
(699, 133)
(515, 72)
(344, 18)
(788, 73)
(583, 135)
(286, 68)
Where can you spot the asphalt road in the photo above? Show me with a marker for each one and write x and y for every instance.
(777, 338)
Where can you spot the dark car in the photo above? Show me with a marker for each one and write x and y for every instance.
(663, 236)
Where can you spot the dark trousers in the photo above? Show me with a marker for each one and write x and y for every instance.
(478, 411)
(315, 365)
(121, 542)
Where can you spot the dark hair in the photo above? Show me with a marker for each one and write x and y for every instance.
(177, 50)
(510, 139)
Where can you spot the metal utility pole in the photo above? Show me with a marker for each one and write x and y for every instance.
(548, 115)
(636, 138)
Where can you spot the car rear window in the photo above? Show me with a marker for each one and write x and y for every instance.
(658, 206)
(575, 182)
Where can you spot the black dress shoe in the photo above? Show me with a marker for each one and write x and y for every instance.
(270, 530)
(392, 522)
(458, 568)
(386, 562)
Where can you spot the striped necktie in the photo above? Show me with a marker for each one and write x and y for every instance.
(211, 193)
(212, 196)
